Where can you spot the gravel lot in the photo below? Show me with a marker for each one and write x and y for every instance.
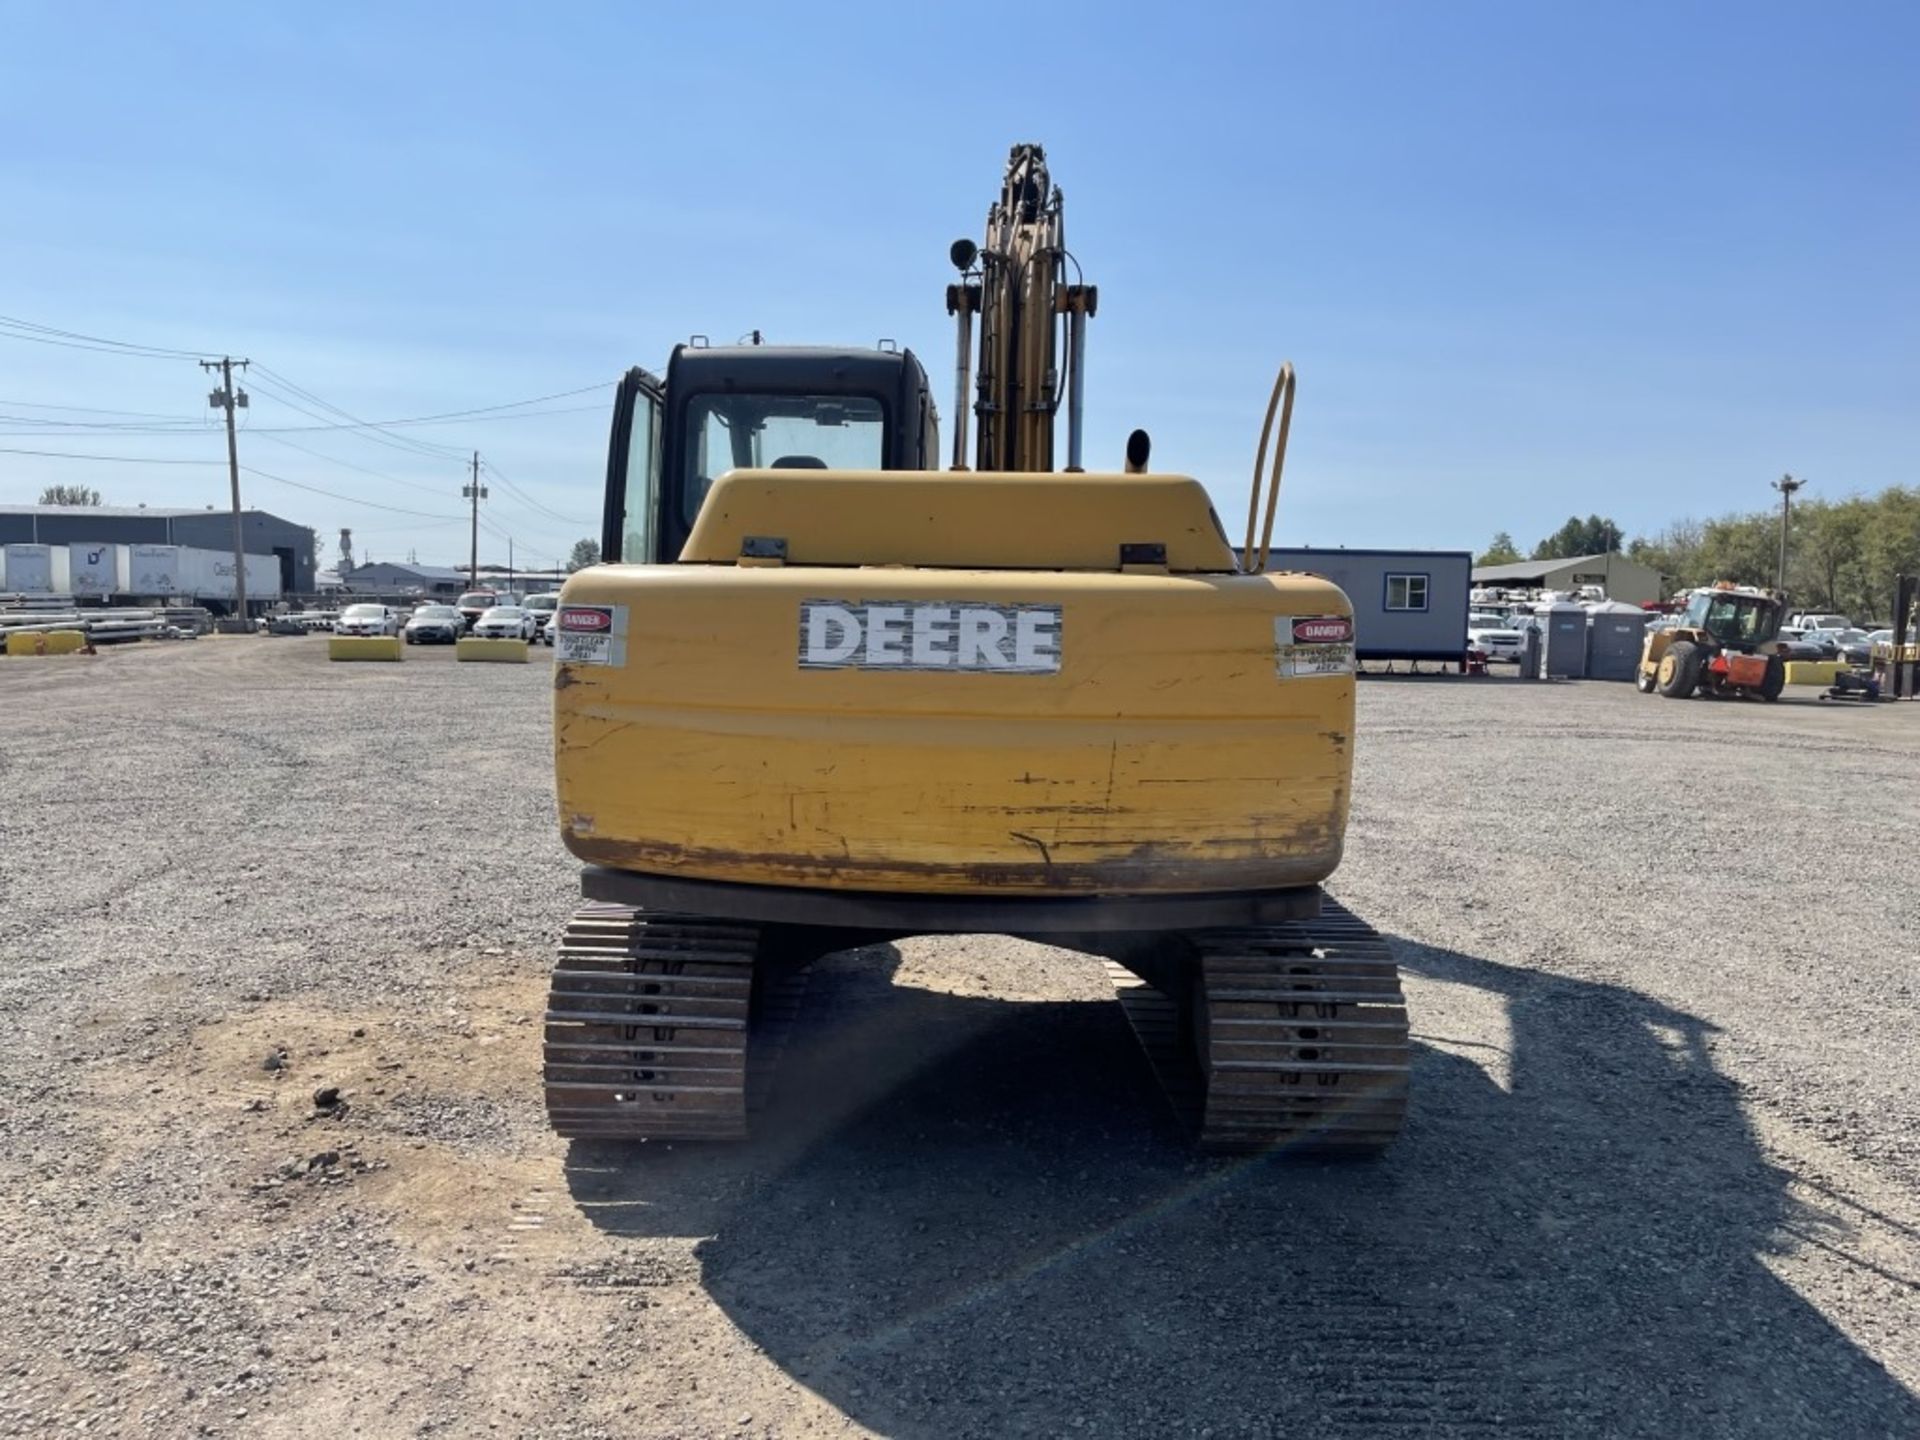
(1662, 1175)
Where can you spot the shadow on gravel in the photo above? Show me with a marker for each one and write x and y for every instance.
(972, 1217)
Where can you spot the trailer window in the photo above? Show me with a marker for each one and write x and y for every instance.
(1406, 592)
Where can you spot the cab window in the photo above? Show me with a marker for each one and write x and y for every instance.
(643, 480)
(780, 432)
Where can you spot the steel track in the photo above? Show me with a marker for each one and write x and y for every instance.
(1293, 1036)
(658, 1027)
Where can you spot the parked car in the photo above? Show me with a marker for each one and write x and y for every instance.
(505, 622)
(434, 625)
(1831, 642)
(368, 619)
(1816, 620)
(476, 603)
(1495, 641)
(1849, 645)
(1794, 645)
(542, 608)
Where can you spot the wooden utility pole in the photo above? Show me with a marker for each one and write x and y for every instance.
(226, 399)
(476, 492)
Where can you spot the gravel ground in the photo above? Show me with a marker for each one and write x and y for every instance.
(1662, 1175)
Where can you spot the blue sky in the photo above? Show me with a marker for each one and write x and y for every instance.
(1529, 259)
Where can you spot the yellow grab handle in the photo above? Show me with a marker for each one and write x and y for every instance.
(1281, 400)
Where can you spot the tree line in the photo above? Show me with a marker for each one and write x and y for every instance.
(1842, 554)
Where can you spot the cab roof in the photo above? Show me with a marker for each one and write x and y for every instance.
(788, 367)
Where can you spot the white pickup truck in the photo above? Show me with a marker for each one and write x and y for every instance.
(1494, 636)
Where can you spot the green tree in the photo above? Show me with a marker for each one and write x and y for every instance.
(1674, 552)
(1591, 536)
(1889, 546)
(1742, 548)
(585, 553)
(1501, 551)
(69, 495)
(1824, 563)
(1843, 555)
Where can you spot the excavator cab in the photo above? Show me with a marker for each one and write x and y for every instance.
(752, 407)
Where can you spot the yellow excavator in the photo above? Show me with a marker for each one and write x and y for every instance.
(826, 694)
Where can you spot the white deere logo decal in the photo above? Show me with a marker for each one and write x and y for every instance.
(929, 635)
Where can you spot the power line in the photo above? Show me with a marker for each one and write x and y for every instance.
(433, 449)
(524, 535)
(249, 469)
(13, 328)
(378, 425)
(526, 498)
(89, 410)
(122, 459)
(511, 405)
(60, 431)
(410, 529)
(47, 423)
(374, 426)
(443, 415)
(354, 421)
(348, 464)
(393, 442)
(345, 499)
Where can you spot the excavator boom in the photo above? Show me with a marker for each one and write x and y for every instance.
(1032, 324)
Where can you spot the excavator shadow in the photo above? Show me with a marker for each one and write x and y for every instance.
(968, 1216)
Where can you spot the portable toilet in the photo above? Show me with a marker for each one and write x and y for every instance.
(1529, 652)
(1563, 640)
(1615, 635)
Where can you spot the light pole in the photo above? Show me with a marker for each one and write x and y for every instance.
(1786, 485)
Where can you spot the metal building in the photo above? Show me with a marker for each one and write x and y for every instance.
(292, 546)
(393, 577)
(1407, 604)
(1619, 577)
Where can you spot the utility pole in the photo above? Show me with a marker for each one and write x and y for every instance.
(510, 563)
(225, 398)
(476, 492)
(1786, 485)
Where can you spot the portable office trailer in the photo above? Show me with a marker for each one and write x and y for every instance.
(1407, 604)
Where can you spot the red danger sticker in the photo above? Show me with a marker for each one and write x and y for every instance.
(586, 619)
(1323, 630)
